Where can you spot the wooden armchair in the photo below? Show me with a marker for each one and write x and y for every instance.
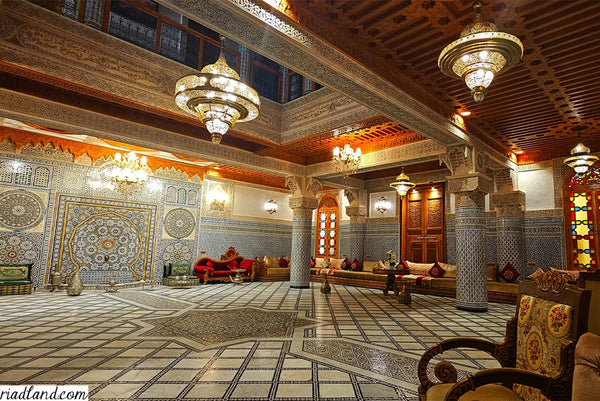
(536, 355)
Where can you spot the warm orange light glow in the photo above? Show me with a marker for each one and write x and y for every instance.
(519, 152)
(465, 113)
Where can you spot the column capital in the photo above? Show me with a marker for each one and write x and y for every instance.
(302, 202)
(463, 159)
(470, 189)
(303, 186)
(508, 203)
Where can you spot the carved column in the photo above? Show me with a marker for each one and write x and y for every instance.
(303, 202)
(356, 210)
(94, 13)
(509, 229)
(469, 185)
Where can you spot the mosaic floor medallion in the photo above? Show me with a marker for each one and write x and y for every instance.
(224, 326)
(179, 223)
(20, 210)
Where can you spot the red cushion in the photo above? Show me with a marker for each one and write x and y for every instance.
(246, 264)
(404, 264)
(509, 273)
(346, 264)
(232, 265)
(355, 266)
(209, 263)
(283, 262)
(313, 262)
(436, 271)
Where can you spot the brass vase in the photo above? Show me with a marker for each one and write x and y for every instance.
(75, 285)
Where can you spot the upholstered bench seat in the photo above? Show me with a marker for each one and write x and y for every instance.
(15, 279)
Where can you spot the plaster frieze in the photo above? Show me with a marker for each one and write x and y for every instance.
(59, 116)
(357, 198)
(421, 151)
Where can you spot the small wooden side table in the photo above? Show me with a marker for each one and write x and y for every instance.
(391, 277)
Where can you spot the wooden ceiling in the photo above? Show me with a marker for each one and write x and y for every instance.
(369, 135)
(532, 110)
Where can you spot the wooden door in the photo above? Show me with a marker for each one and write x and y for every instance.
(423, 237)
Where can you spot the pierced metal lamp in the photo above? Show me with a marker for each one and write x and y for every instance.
(480, 54)
(383, 205)
(271, 206)
(580, 159)
(402, 184)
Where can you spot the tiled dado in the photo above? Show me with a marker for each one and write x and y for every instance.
(220, 341)
(250, 238)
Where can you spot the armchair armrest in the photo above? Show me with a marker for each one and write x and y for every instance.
(509, 376)
(504, 352)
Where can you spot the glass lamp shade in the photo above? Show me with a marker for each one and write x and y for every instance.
(480, 54)
(580, 159)
(402, 184)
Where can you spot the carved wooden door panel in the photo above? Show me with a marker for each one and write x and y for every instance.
(424, 234)
(328, 214)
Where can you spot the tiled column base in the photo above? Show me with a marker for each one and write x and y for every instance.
(509, 237)
(301, 240)
(471, 290)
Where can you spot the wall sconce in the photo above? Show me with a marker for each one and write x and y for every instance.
(217, 199)
(271, 206)
(383, 205)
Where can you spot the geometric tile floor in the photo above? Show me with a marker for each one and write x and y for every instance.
(258, 341)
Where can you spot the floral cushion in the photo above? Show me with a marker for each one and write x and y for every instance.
(356, 266)
(543, 329)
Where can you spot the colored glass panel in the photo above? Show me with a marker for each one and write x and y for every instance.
(582, 229)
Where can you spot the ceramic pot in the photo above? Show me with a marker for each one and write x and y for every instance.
(75, 285)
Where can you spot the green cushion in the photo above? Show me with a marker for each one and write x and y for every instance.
(14, 282)
(180, 269)
(16, 272)
(188, 276)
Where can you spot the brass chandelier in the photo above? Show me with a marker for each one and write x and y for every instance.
(346, 159)
(480, 54)
(217, 97)
(129, 173)
(402, 184)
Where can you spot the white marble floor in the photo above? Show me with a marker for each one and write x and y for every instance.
(258, 341)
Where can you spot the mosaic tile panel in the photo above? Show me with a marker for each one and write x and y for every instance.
(104, 238)
(510, 243)
(356, 242)
(21, 248)
(250, 238)
(344, 236)
(177, 252)
(544, 242)
(380, 238)
(471, 291)
(179, 223)
(491, 240)
(20, 210)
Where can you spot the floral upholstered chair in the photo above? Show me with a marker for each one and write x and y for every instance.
(536, 355)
